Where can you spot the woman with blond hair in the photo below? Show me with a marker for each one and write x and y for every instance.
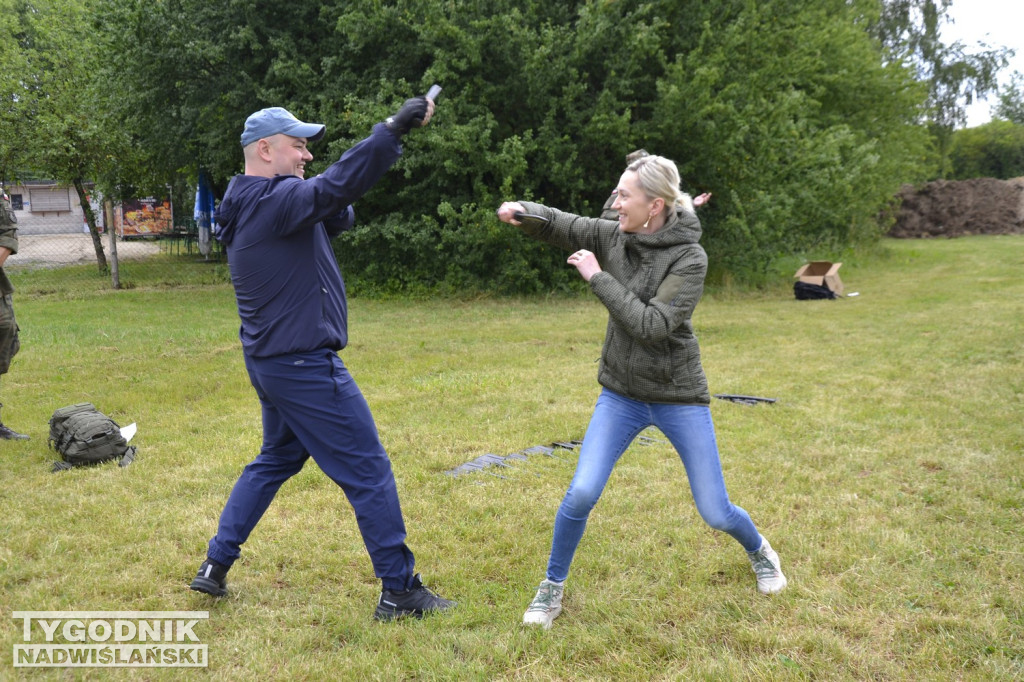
(648, 270)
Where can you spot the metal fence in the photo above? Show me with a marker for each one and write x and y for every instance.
(54, 262)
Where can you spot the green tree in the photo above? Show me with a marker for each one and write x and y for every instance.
(911, 32)
(1011, 100)
(16, 91)
(56, 123)
(993, 150)
(801, 151)
(187, 74)
(790, 112)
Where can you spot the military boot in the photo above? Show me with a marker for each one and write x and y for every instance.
(7, 433)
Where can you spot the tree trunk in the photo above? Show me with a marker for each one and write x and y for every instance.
(90, 218)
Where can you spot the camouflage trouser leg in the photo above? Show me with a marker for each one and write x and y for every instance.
(9, 343)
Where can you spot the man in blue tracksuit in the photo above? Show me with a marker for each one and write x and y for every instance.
(277, 230)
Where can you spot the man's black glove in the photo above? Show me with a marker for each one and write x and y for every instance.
(411, 115)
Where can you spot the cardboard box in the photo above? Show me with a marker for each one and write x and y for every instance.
(822, 273)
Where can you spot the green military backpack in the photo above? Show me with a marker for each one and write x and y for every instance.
(83, 435)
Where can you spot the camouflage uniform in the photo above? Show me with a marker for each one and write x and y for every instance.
(9, 343)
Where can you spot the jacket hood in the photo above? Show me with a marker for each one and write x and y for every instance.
(682, 227)
(229, 210)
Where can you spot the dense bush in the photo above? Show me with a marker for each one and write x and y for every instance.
(993, 150)
(788, 112)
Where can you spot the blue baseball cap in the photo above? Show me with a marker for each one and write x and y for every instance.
(276, 120)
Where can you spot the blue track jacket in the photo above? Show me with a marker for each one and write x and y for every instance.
(277, 233)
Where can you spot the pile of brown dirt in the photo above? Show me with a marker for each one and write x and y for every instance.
(954, 208)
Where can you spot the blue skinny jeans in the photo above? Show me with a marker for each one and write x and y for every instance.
(616, 421)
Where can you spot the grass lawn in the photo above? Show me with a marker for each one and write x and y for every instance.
(889, 476)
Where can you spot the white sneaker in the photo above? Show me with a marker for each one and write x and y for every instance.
(546, 606)
(765, 563)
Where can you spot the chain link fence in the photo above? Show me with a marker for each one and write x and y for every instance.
(49, 263)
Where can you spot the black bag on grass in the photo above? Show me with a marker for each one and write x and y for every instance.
(83, 435)
(805, 291)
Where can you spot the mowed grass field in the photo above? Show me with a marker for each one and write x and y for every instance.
(889, 476)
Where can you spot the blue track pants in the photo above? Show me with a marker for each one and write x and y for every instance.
(312, 407)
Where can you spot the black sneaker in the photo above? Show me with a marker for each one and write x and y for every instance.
(417, 601)
(6, 433)
(211, 579)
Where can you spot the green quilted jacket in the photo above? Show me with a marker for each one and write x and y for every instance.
(650, 285)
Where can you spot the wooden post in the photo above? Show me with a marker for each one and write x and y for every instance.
(108, 216)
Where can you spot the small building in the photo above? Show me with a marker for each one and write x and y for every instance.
(44, 207)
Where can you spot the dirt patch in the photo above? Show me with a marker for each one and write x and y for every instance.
(955, 208)
(68, 249)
